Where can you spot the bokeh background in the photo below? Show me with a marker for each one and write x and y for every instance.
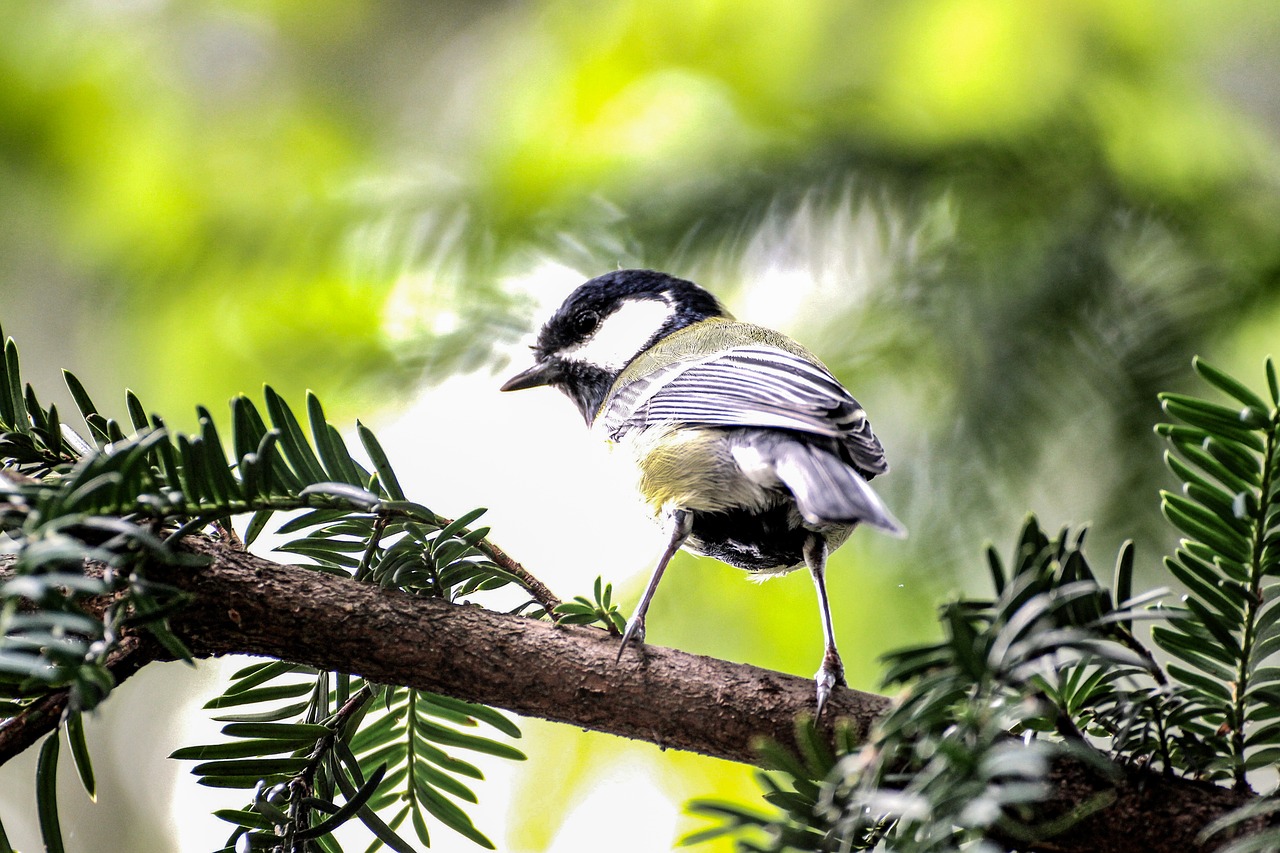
(1006, 226)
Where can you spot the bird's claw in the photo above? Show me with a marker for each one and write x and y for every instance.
(635, 631)
(830, 674)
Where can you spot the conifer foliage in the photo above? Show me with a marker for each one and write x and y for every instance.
(1052, 668)
(1056, 665)
(312, 750)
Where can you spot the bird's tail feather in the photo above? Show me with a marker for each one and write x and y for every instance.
(828, 490)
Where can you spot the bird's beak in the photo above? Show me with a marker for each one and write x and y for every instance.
(542, 373)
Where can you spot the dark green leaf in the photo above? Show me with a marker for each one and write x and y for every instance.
(80, 753)
(1220, 628)
(8, 415)
(450, 737)
(1211, 534)
(1197, 652)
(251, 677)
(292, 440)
(349, 809)
(247, 427)
(451, 816)
(1196, 454)
(262, 694)
(438, 756)
(247, 767)
(1228, 384)
(245, 818)
(1241, 461)
(216, 462)
(35, 410)
(137, 414)
(17, 407)
(257, 523)
(337, 462)
(1210, 687)
(483, 713)
(290, 732)
(356, 495)
(1191, 572)
(85, 405)
(252, 748)
(427, 774)
(385, 728)
(54, 426)
(1214, 418)
(375, 824)
(458, 524)
(47, 794)
(1269, 757)
(284, 712)
(386, 476)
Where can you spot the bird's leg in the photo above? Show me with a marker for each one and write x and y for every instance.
(831, 672)
(679, 523)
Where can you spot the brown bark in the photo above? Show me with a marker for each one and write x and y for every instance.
(248, 605)
(565, 674)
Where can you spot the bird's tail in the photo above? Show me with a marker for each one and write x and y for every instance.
(827, 490)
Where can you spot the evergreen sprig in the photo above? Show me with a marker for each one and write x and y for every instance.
(600, 609)
(1052, 669)
(1225, 637)
(87, 517)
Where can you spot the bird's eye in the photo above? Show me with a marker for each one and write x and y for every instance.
(585, 322)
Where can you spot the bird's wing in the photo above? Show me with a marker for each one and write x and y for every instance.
(747, 386)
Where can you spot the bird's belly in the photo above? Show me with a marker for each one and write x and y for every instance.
(740, 516)
(695, 469)
(769, 541)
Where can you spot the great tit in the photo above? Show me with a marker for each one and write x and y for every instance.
(747, 448)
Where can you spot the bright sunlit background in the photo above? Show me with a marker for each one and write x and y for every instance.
(1006, 226)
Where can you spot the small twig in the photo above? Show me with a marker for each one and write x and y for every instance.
(536, 588)
(32, 723)
(45, 714)
(366, 559)
(1131, 643)
(353, 704)
(306, 779)
(228, 533)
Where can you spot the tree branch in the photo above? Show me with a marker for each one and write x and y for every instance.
(19, 732)
(244, 604)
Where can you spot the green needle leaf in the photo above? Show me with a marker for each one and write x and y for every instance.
(380, 463)
(375, 824)
(356, 495)
(80, 753)
(1226, 383)
(17, 406)
(5, 846)
(47, 794)
(292, 440)
(349, 809)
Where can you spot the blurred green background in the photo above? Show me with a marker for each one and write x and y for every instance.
(1005, 225)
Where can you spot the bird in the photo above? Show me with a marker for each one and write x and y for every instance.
(746, 447)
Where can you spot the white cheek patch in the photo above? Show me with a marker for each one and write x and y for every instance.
(622, 334)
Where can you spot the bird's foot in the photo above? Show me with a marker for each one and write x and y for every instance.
(830, 674)
(635, 631)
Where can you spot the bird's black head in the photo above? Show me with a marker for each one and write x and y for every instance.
(606, 323)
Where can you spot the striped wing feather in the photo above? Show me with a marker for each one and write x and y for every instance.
(748, 386)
